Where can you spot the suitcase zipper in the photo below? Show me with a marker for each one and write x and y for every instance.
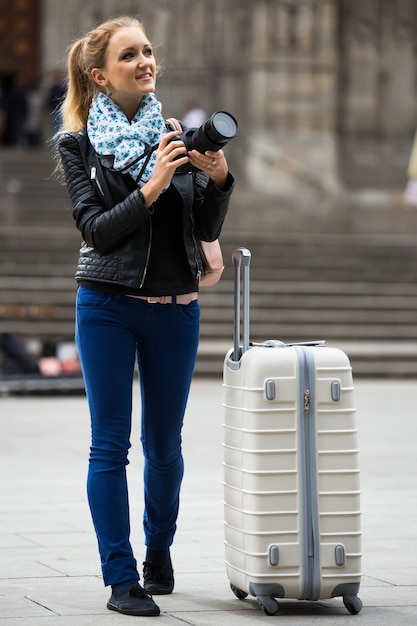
(308, 480)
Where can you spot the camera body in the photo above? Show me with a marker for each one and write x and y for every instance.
(213, 134)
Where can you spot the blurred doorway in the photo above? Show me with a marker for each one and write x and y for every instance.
(20, 41)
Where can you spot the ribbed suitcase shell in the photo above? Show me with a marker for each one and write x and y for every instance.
(291, 475)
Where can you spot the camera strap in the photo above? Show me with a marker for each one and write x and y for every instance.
(148, 153)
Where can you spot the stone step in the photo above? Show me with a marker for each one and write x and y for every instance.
(354, 285)
(369, 359)
(44, 306)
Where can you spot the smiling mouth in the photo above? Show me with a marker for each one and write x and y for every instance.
(144, 76)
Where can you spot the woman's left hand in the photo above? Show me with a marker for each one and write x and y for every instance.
(214, 164)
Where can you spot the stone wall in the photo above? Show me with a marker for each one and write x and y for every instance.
(324, 90)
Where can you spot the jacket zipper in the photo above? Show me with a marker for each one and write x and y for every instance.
(148, 254)
(311, 569)
(93, 176)
(199, 273)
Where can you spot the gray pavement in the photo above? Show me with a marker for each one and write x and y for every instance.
(49, 570)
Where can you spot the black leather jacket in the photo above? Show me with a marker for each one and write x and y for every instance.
(116, 227)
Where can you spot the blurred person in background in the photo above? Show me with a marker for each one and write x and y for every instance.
(33, 123)
(14, 111)
(194, 115)
(56, 95)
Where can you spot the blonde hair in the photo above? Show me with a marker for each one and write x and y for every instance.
(85, 54)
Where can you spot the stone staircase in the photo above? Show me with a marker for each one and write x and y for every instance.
(355, 288)
(359, 294)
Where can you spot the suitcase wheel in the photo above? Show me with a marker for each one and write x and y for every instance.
(268, 605)
(240, 595)
(353, 604)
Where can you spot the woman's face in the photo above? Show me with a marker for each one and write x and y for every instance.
(130, 69)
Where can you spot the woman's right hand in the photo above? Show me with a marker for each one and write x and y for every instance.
(169, 155)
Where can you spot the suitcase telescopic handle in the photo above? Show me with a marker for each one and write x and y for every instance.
(241, 258)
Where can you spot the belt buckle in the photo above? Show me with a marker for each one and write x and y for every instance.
(153, 299)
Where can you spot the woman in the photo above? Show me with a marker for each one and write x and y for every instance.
(138, 278)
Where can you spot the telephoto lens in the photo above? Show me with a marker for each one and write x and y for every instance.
(215, 133)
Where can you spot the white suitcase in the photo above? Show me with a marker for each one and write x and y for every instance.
(291, 471)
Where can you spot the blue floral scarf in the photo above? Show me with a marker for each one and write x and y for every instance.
(111, 133)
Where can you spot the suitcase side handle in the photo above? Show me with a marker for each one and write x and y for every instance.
(241, 258)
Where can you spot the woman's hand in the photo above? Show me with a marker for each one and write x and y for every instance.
(169, 155)
(214, 164)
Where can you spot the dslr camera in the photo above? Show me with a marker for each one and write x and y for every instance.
(213, 134)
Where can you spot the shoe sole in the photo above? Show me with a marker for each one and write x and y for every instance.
(158, 592)
(144, 613)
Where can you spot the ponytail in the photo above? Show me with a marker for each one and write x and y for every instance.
(81, 89)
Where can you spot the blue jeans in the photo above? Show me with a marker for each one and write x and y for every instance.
(112, 332)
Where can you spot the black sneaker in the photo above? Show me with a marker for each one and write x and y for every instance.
(134, 602)
(158, 579)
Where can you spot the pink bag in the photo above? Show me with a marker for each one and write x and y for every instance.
(212, 257)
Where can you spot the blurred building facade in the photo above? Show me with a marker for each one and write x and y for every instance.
(324, 90)
(325, 95)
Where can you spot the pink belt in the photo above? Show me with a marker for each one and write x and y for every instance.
(183, 298)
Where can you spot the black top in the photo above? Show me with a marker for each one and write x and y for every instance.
(168, 263)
